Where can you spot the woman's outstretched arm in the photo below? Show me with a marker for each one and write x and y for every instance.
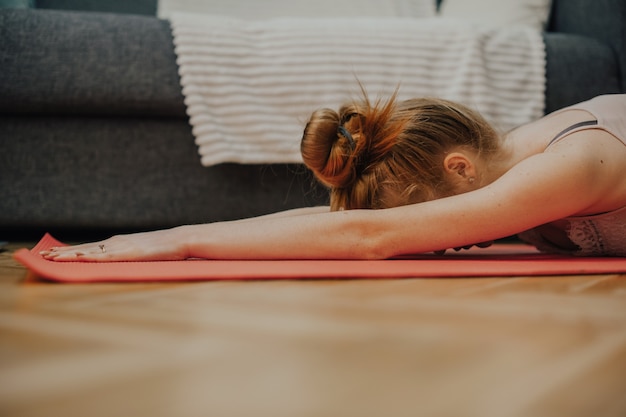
(540, 189)
(290, 213)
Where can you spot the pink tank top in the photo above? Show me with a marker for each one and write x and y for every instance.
(601, 234)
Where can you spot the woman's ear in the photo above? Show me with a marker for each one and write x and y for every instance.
(461, 166)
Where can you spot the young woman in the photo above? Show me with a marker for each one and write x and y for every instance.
(425, 175)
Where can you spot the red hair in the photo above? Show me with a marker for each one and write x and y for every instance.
(394, 155)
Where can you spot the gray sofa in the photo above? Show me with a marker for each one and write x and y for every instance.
(94, 136)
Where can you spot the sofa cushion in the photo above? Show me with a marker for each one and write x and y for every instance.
(59, 62)
(602, 20)
(578, 68)
(17, 4)
(145, 7)
(130, 173)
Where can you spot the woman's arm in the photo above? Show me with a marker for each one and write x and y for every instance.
(290, 213)
(540, 189)
(581, 176)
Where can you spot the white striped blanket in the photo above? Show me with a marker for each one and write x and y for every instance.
(250, 86)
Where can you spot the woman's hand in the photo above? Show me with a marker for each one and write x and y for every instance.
(479, 245)
(162, 245)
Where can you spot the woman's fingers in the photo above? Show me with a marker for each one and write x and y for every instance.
(84, 252)
(459, 248)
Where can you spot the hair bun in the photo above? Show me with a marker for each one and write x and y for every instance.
(327, 149)
(346, 149)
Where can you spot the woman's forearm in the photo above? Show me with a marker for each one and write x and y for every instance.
(290, 213)
(337, 235)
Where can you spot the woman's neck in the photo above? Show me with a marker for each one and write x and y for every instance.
(511, 151)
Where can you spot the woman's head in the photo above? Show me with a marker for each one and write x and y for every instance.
(380, 155)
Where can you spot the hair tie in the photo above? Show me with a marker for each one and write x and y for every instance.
(344, 132)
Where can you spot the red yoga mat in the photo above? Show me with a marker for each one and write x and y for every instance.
(498, 260)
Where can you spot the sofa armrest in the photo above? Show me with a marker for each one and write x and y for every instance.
(602, 20)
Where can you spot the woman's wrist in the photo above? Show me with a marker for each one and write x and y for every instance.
(180, 237)
(193, 241)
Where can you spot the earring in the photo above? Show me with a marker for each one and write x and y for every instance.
(471, 180)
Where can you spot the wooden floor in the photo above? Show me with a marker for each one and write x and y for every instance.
(543, 346)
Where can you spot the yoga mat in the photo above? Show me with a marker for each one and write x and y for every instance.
(498, 260)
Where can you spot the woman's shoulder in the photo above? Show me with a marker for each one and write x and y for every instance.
(535, 137)
(601, 158)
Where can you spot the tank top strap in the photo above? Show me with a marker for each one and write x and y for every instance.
(572, 127)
